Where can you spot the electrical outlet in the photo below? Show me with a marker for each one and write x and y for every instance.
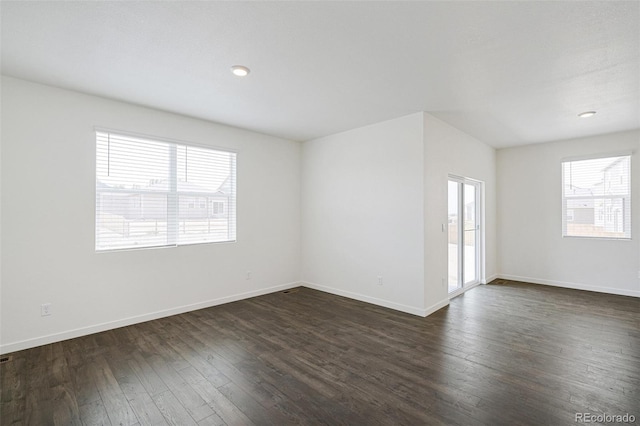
(249, 274)
(45, 309)
(379, 279)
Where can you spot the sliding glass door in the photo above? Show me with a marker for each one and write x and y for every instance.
(464, 236)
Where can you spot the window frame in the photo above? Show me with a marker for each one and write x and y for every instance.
(626, 199)
(173, 194)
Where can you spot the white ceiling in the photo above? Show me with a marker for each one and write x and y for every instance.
(508, 73)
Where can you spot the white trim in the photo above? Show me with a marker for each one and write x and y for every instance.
(627, 222)
(586, 237)
(597, 156)
(489, 279)
(153, 138)
(463, 179)
(97, 328)
(480, 246)
(571, 285)
(375, 301)
(463, 290)
(435, 307)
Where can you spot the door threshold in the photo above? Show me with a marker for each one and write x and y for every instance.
(462, 290)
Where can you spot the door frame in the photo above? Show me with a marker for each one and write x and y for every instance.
(479, 237)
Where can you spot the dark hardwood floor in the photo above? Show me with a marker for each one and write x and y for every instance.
(502, 354)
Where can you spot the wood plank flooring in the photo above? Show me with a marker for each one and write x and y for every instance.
(503, 354)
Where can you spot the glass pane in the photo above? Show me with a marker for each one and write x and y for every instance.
(154, 193)
(130, 163)
(453, 283)
(203, 170)
(129, 220)
(599, 176)
(596, 217)
(470, 226)
(203, 219)
(597, 198)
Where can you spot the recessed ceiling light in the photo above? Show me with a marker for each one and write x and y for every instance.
(587, 114)
(239, 70)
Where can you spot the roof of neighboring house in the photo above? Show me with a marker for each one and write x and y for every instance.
(576, 190)
(182, 186)
(101, 185)
(225, 187)
(614, 163)
(163, 185)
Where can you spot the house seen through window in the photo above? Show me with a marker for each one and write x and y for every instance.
(596, 197)
(152, 193)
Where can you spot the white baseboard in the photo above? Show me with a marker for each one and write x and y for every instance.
(489, 279)
(380, 302)
(575, 286)
(435, 307)
(97, 328)
(423, 312)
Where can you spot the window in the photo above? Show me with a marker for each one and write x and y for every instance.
(148, 193)
(596, 197)
(217, 208)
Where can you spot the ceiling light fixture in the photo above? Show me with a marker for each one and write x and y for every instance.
(587, 114)
(240, 70)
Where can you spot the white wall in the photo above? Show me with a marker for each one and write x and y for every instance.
(362, 214)
(1, 220)
(48, 197)
(373, 203)
(451, 151)
(530, 235)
